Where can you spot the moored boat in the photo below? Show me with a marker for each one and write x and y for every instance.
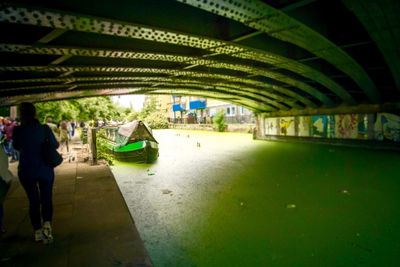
(133, 141)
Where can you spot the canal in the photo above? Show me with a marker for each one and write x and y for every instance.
(223, 199)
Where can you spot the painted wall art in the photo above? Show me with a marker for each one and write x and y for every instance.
(346, 126)
(381, 126)
(271, 127)
(387, 127)
(286, 125)
(304, 126)
(319, 127)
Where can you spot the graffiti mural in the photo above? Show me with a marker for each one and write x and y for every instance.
(346, 126)
(319, 127)
(331, 126)
(286, 125)
(387, 127)
(362, 126)
(381, 126)
(271, 126)
(304, 126)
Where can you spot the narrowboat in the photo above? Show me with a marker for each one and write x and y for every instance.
(133, 141)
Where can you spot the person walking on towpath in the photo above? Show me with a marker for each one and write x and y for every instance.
(52, 126)
(8, 144)
(5, 180)
(64, 137)
(36, 177)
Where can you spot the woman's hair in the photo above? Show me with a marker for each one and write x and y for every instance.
(27, 113)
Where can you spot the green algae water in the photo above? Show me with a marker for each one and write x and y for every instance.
(223, 199)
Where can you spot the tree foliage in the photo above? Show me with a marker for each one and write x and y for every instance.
(219, 121)
(4, 111)
(156, 120)
(151, 115)
(84, 109)
(100, 108)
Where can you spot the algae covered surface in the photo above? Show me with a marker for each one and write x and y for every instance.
(223, 199)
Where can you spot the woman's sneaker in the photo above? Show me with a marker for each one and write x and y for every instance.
(39, 235)
(47, 233)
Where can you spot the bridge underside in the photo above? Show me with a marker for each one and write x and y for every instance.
(270, 56)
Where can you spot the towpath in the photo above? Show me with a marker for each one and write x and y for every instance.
(92, 225)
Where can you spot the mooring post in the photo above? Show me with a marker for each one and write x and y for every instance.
(93, 146)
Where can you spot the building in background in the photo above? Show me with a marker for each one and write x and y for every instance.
(189, 109)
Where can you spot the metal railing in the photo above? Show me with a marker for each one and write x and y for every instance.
(208, 120)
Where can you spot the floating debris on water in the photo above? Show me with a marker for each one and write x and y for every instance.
(344, 191)
(290, 206)
(166, 191)
(79, 177)
(149, 173)
(241, 203)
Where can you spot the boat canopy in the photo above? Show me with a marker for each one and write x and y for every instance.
(127, 129)
(132, 132)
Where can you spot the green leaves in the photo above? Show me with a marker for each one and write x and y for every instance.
(83, 109)
(219, 121)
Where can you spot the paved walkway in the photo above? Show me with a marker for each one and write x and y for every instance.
(92, 225)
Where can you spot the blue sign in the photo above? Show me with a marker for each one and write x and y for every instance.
(197, 104)
(177, 107)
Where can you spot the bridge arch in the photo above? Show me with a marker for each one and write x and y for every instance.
(270, 56)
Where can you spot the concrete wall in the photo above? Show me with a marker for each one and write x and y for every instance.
(241, 128)
(380, 126)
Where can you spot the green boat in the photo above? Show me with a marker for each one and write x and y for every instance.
(133, 141)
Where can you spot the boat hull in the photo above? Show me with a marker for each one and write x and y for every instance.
(142, 151)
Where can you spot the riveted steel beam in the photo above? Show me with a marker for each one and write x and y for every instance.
(153, 79)
(51, 36)
(269, 20)
(147, 83)
(381, 19)
(46, 18)
(58, 95)
(68, 51)
(244, 84)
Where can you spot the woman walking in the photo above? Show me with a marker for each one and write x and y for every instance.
(36, 177)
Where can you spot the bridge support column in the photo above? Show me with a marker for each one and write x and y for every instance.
(259, 130)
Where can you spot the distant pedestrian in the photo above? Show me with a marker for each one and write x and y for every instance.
(69, 130)
(8, 143)
(64, 137)
(5, 180)
(35, 175)
(73, 126)
(53, 127)
(2, 137)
